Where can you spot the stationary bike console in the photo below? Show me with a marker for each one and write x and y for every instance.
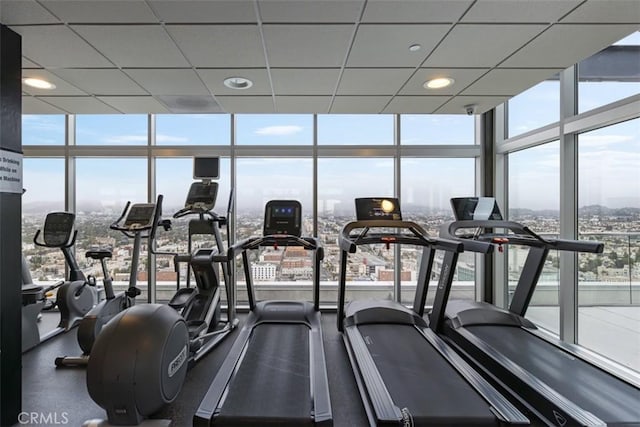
(140, 216)
(58, 230)
(201, 198)
(283, 217)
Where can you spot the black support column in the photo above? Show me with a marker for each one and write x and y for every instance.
(10, 225)
(487, 184)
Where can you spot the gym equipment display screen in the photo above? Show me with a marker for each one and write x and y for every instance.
(371, 208)
(140, 215)
(206, 167)
(283, 217)
(58, 227)
(476, 208)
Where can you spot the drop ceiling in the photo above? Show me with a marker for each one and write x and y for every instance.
(303, 56)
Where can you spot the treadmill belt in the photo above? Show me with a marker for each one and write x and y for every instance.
(272, 384)
(420, 379)
(593, 389)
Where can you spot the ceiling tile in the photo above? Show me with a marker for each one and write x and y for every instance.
(618, 11)
(379, 45)
(415, 104)
(359, 104)
(414, 11)
(57, 46)
(192, 104)
(302, 104)
(246, 104)
(373, 81)
(135, 104)
(482, 104)
(309, 11)
(219, 45)
(509, 81)
(103, 11)
(198, 11)
(547, 11)
(168, 81)
(566, 44)
(26, 63)
(152, 47)
(462, 78)
(295, 81)
(16, 12)
(62, 87)
(31, 105)
(98, 81)
(79, 104)
(214, 79)
(475, 45)
(307, 45)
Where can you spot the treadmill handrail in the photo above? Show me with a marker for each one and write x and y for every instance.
(348, 242)
(310, 243)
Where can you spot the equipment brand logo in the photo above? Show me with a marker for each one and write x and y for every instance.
(445, 273)
(43, 418)
(177, 363)
(560, 419)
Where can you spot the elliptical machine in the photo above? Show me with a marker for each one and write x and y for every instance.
(74, 297)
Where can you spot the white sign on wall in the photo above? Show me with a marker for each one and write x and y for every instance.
(10, 172)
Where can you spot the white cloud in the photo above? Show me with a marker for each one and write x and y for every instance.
(125, 139)
(169, 138)
(279, 130)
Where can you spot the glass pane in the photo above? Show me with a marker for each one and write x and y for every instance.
(609, 211)
(173, 179)
(340, 181)
(535, 107)
(258, 181)
(103, 187)
(111, 129)
(356, 129)
(428, 205)
(274, 129)
(609, 75)
(436, 129)
(193, 129)
(44, 181)
(43, 129)
(538, 207)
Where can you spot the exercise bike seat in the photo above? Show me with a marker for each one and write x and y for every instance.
(182, 298)
(98, 253)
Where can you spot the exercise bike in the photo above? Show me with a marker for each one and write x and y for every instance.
(74, 297)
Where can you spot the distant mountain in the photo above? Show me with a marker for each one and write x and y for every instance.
(605, 211)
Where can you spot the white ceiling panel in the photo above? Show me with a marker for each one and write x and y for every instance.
(378, 45)
(541, 11)
(481, 45)
(414, 11)
(482, 104)
(359, 104)
(508, 81)
(462, 78)
(302, 104)
(29, 64)
(152, 47)
(246, 104)
(302, 81)
(219, 45)
(16, 12)
(373, 81)
(57, 46)
(214, 79)
(307, 45)
(309, 11)
(564, 45)
(168, 81)
(134, 104)
(31, 105)
(415, 104)
(79, 104)
(606, 11)
(97, 81)
(62, 87)
(111, 11)
(198, 11)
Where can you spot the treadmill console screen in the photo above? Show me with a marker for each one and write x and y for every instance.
(378, 208)
(201, 195)
(283, 217)
(140, 216)
(206, 168)
(476, 208)
(58, 227)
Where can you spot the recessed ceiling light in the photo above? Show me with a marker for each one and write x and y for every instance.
(438, 83)
(38, 83)
(415, 47)
(238, 83)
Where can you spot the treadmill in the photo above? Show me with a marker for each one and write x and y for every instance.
(275, 373)
(558, 383)
(407, 376)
